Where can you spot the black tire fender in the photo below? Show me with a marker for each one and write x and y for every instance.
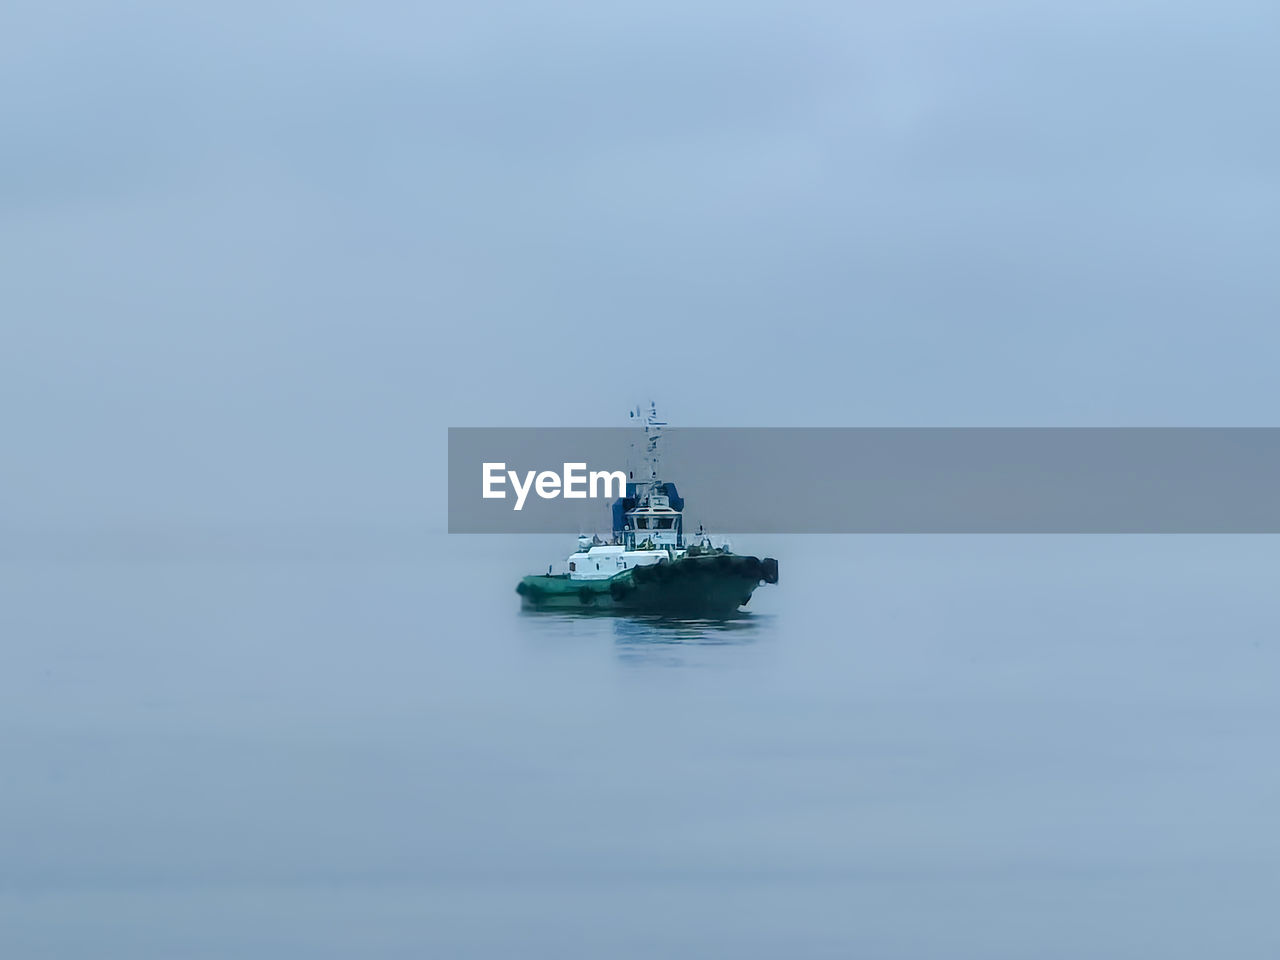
(769, 570)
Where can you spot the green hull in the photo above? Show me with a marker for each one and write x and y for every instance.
(691, 585)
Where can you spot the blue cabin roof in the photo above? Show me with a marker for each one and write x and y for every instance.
(623, 504)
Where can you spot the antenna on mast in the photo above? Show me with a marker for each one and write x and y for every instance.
(653, 437)
(652, 442)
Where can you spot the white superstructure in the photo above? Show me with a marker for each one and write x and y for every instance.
(652, 529)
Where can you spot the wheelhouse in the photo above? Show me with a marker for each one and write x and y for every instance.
(654, 524)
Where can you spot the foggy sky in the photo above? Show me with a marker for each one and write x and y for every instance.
(256, 258)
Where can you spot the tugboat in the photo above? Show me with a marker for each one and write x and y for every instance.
(647, 567)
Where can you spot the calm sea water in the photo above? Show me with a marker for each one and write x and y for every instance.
(911, 747)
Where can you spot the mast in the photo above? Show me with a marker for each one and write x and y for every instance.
(652, 452)
(650, 505)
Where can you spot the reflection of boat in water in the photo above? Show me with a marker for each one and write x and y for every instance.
(647, 566)
(652, 639)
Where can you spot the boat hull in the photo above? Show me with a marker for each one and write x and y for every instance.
(691, 585)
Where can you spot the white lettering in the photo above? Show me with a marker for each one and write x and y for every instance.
(609, 479)
(490, 478)
(521, 492)
(570, 478)
(576, 483)
(548, 484)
